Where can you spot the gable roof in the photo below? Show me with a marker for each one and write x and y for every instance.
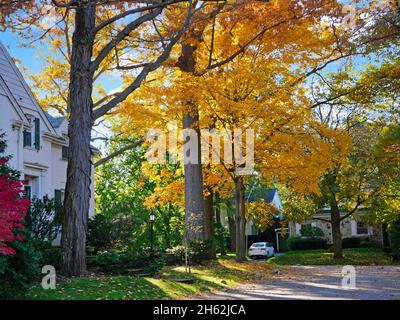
(55, 122)
(16, 88)
(5, 91)
(262, 193)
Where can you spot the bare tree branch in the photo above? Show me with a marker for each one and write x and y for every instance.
(117, 153)
(121, 36)
(162, 4)
(122, 95)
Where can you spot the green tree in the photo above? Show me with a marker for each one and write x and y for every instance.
(121, 194)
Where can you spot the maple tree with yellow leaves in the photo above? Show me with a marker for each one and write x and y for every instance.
(259, 90)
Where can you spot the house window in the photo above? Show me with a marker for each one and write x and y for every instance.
(59, 196)
(28, 192)
(59, 199)
(362, 228)
(64, 153)
(32, 139)
(27, 138)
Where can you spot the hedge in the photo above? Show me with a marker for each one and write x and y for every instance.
(355, 242)
(305, 243)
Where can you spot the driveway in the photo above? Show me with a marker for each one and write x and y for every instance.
(318, 282)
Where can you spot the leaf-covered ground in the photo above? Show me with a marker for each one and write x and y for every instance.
(357, 257)
(216, 275)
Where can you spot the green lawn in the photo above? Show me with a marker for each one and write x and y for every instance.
(359, 256)
(224, 272)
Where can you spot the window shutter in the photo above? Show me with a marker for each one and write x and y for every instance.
(28, 193)
(57, 196)
(65, 153)
(37, 133)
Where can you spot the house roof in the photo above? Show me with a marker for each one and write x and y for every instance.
(16, 88)
(55, 121)
(327, 211)
(13, 84)
(262, 193)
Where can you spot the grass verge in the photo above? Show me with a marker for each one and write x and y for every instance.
(358, 256)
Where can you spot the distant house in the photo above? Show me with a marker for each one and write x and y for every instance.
(36, 140)
(269, 196)
(349, 227)
(253, 233)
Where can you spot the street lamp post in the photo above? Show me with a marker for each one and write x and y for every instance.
(152, 217)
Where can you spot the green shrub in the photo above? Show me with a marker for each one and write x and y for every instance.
(154, 265)
(44, 219)
(100, 233)
(122, 262)
(176, 255)
(302, 243)
(198, 251)
(221, 238)
(365, 243)
(108, 261)
(120, 232)
(394, 238)
(309, 231)
(19, 271)
(355, 242)
(51, 255)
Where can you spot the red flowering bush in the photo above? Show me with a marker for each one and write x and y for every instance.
(13, 207)
(20, 261)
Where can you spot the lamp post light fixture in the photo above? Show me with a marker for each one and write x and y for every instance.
(152, 218)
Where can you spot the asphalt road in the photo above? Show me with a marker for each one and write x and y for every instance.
(319, 283)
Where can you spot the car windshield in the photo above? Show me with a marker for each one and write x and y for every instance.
(258, 245)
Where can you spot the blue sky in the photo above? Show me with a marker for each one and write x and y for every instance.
(25, 55)
(29, 58)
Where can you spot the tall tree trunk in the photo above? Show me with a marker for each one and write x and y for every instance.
(209, 223)
(240, 219)
(232, 232)
(167, 225)
(336, 234)
(217, 208)
(194, 202)
(77, 191)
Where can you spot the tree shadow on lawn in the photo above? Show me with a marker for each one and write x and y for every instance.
(215, 275)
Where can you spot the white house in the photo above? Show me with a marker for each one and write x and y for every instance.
(37, 141)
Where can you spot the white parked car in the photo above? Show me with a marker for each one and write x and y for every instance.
(261, 249)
